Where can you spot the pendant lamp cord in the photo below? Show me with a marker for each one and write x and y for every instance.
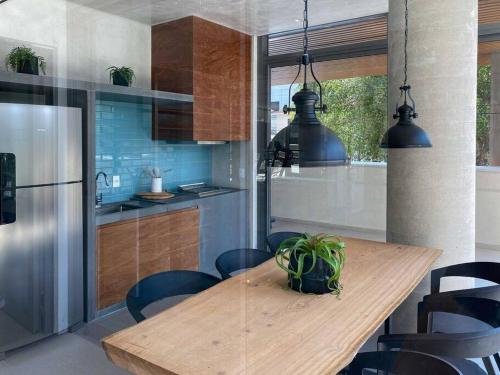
(307, 61)
(405, 86)
(305, 25)
(405, 89)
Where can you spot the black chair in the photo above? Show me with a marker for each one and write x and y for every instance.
(274, 240)
(163, 285)
(439, 322)
(240, 259)
(488, 271)
(449, 303)
(446, 323)
(401, 363)
(454, 347)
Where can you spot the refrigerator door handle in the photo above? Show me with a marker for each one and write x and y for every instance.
(7, 188)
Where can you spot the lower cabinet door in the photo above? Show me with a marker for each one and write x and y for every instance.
(117, 261)
(169, 242)
(128, 251)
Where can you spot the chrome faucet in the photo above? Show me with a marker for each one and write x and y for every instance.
(98, 197)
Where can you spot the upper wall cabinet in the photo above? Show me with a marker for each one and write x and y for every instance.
(212, 63)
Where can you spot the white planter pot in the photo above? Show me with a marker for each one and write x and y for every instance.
(156, 185)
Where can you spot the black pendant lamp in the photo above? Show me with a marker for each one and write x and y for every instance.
(405, 134)
(306, 142)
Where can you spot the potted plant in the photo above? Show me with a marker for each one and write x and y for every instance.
(314, 263)
(24, 60)
(123, 76)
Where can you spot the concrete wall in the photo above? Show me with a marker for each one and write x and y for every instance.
(78, 42)
(355, 197)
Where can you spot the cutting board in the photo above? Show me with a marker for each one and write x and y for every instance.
(159, 196)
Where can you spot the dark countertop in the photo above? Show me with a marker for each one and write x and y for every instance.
(149, 207)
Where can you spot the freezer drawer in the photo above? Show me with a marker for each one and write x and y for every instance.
(41, 265)
(46, 141)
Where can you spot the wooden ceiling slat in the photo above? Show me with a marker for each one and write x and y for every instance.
(335, 69)
(362, 66)
(340, 35)
(489, 12)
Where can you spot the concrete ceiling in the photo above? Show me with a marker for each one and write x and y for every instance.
(255, 17)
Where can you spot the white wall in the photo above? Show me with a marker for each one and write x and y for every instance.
(355, 197)
(488, 207)
(78, 42)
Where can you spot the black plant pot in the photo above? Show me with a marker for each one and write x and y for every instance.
(28, 67)
(118, 80)
(316, 281)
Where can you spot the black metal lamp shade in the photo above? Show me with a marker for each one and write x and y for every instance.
(405, 134)
(306, 142)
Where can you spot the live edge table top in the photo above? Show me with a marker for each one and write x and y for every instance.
(254, 324)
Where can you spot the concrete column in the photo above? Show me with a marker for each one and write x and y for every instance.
(431, 191)
(494, 157)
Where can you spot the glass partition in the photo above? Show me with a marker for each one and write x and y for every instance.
(136, 185)
(351, 200)
(343, 200)
(125, 152)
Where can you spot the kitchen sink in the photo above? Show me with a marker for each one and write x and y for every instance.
(116, 208)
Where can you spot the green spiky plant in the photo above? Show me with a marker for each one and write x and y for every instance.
(125, 73)
(321, 246)
(18, 57)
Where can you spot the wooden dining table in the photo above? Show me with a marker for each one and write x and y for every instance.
(254, 324)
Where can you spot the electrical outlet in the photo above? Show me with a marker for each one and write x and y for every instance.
(116, 181)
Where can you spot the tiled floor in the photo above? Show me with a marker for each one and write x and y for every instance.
(80, 353)
(70, 353)
(10, 328)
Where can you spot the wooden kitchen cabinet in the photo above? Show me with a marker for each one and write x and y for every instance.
(117, 261)
(169, 242)
(212, 63)
(128, 251)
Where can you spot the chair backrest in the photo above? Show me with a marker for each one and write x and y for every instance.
(401, 363)
(485, 310)
(163, 285)
(488, 292)
(460, 345)
(489, 271)
(240, 259)
(274, 240)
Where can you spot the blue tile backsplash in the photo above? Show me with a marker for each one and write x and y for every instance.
(124, 148)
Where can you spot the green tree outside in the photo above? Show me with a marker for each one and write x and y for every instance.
(483, 114)
(357, 113)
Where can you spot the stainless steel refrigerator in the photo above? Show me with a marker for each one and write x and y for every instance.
(41, 240)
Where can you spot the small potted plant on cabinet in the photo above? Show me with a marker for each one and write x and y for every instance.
(314, 263)
(24, 60)
(123, 76)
